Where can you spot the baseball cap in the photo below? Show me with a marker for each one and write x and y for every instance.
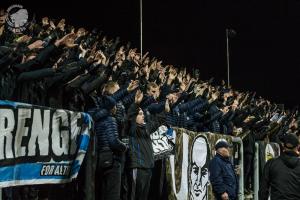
(222, 144)
(290, 141)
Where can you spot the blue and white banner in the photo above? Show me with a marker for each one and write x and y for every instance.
(40, 145)
(162, 142)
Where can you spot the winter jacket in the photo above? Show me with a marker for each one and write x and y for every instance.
(140, 144)
(222, 177)
(281, 178)
(106, 127)
(107, 135)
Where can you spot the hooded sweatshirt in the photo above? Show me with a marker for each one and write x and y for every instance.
(140, 144)
(281, 178)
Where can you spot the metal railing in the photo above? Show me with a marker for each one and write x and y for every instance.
(257, 166)
(241, 164)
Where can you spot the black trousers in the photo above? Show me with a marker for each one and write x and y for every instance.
(158, 185)
(248, 171)
(108, 180)
(124, 180)
(139, 183)
(27, 192)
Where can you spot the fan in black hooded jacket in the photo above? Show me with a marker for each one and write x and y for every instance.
(141, 159)
(281, 176)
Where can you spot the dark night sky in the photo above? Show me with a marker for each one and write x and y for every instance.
(265, 54)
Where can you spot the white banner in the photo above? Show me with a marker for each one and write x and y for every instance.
(162, 146)
(40, 145)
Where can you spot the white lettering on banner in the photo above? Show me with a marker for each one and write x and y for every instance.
(55, 170)
(75, 130)
(26, 132)
(40, 145)
(60, 142)
(183, 191)
(47, 170)
(40, 133)
(7, 124)
(160, 142)
(22, 131)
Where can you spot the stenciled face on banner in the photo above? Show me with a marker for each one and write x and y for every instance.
(269, 152)
(198, 169)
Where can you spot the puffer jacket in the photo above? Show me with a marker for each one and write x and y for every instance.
(106, 130)
(107, 135)
(222, 177)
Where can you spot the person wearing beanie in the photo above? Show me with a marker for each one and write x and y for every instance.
(141, 158)
(281, 175)
(109, 149)
(222, 174)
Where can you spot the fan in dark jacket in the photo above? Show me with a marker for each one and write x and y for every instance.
(141, 159)
(109, 148)
(222, 174)
(281, 176)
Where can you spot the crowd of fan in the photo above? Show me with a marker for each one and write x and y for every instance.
(128, 95)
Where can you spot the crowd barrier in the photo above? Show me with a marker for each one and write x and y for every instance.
(187, 169)
(41, 145)
(187, 156)
(263, 152)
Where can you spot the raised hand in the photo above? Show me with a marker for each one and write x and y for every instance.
(67, 40)
(136, 69)
(80, 32)
(159, 65)
(61, 24)
(162, 76)
(167, 106)
(172, 74)
(188, 77)
(52, 24)
(153, 65)
(131, 54)
(1, 30)
(132, 85)
(100, 57)
(45, 21)
(24, 39)
(215, 95)
(36, 45)
(70, 42)
(83, 51)
(145, 56)
(138, 97)
(180, 77)
(137, 58)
